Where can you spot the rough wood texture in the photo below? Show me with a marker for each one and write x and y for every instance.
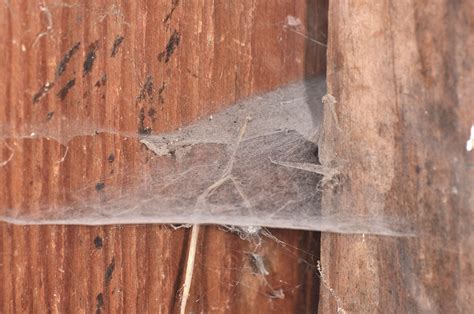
(402, 74)
(138, 66)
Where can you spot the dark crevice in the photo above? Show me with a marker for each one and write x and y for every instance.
(317, 28)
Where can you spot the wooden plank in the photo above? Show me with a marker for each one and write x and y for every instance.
(402, 75)
(138, 66)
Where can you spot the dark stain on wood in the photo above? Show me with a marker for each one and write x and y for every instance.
(116, 45)
(101, 82)
(100, 302)
(42, 91)
(168, 16)
(109, 271)
(146, 90)
(98, 242)
(61, 68)
(171, 46)
(142, 129)
(100, 186)
(151, 112)
(65, 89)
(111, 158)
(90, 57)
(160, 93)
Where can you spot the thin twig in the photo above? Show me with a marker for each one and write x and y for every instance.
(189, 268)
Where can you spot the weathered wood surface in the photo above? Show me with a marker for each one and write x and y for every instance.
(138, 66)
(402, 73)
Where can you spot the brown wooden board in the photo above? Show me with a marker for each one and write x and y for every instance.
(139, 66)
(402, 75)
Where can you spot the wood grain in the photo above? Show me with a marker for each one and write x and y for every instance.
(402, 75)
(139, 66)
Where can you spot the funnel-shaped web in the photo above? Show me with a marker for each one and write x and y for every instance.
(254, 164)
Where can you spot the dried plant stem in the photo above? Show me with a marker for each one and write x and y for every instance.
(189, 267)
